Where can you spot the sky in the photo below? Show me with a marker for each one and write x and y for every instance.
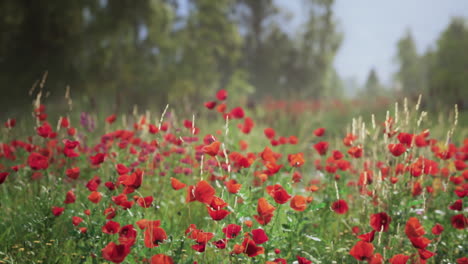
(372, 29)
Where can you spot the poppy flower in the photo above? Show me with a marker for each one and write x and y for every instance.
(93, 184)
(355, 152)
(457, 205)
(76, 220)
(232, 186)
(459, 221)
(95, 197)
(463, 260)
(296, 160)
(97, 159)
(232, 230)
(278, 193)
(154, 235)
(376, 259)
(3, 176)
(212, 149)
(437, 229)
(161, 259)
(176, 184)
(380, 221)
(70, 197)
(45, 130)
(73, 173)
(399, 259)
(362, 251)
(127, 235)
(221, 95)
(221, 244)
(265, 211)
(367, 237)
(420, 242)
(269, 133)
(210, 105)
(217, 215)
(237, 113)
(298, 203)
(414, 228)
(57, 210)
(321, 147)
(397, 149)
(302, 260)
(340, 207)
(111, 119)
(37, 161)
(405, 138)
(259, 236)
(115, 253)
(111, 227)
(203, 192)
(319, 132)
(251, 248)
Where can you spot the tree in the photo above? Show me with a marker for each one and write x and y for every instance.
(449, 72)
(372, 87)
(411, 74)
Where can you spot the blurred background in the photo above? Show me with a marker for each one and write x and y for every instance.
(154, 52)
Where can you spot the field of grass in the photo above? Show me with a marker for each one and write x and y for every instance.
(266, 184)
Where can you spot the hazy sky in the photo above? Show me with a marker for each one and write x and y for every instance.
(373, 27)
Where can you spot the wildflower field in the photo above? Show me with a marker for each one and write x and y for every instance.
(230, 185)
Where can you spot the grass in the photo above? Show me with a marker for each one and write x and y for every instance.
(30, 233)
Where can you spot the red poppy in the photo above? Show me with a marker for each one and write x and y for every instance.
(237, 112)
(97, 159)
(362, 251)
(210, 105)
(298, 203)
(95, 197)
(278, 193)
(232, 230)
(269, 133)
(355, 152)
(176, 184)
(37, 161)
(232, 186)
(414, 228)
(321, 147)
(397, 149)
(221, 244)
(367, 237)
(459, 221)
(251, 249)
(111, 227)
(127, 235)
(154, 235)
(302, 260)
(161, 259)
(57, 210)
(217, 215)
(212, 149)
(399, 259)
(203, 192)
(340, 207)
(111, 119)
(70, 197)
(437, 229)
(420, 242)
(457, 205)
(93, 184)
(76, 220)
(221, 95)
(319, 132)
(425, 254)
(265, 211)
(376, 259)
(296, 160)
(145, 202)
(73, 173)
(259, 236)
(115, 253)
(380, 221)
(3, 176)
